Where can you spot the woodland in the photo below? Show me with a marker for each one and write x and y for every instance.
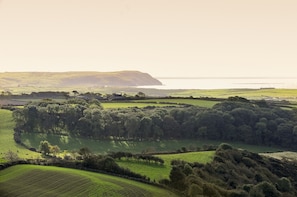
(235, 119)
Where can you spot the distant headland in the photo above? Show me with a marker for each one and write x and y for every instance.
(76, 79)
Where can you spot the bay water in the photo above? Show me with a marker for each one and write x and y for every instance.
(226, 83)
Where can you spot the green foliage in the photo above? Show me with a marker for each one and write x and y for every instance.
(210, 191)
(231, 120)
(236, 173)
(224, 146)
(264, 189)
(187, 169)
(284, 185)
(195, 190)
(177, 178)
(46, 148)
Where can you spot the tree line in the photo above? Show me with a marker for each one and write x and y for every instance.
(233, 173)
(235, 119)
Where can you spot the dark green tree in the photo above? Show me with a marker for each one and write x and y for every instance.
(44, 147)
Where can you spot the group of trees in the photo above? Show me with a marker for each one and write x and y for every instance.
(231, 120)
(234, 173)
(46, 148)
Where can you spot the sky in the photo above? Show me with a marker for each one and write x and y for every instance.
(165, 38)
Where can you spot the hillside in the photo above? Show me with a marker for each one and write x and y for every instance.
(71, 79)
(33, 180)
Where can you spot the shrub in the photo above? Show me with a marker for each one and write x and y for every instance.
(210, 191)
(248, 162)
(188, 169)
(224, 146)
(264, 189)
(284, 185)
(195, 190)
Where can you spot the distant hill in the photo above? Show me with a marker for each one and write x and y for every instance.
(75, 79)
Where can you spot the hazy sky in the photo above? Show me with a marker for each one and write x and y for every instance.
(196, 38)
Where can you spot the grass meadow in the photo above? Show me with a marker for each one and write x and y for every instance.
(187, 101)
(110, 105)
(157, 172)
(7, 142)
(278, 94)
(70, 143)
(32, 180)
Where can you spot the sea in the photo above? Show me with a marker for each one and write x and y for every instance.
(226, 83)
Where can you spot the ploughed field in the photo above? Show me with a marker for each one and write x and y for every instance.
(32, 180)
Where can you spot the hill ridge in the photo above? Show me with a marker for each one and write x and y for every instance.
(76, 78)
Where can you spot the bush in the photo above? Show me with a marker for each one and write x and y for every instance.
(248, 162)
(210, 191)
(224, 146)
(284, 185)
(264, 189)
(195, 190)
(11, 156)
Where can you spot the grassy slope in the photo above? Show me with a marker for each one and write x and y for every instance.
(29, 180)
(157, 172)
(7, 143)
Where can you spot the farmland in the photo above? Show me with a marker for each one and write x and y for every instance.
(29, 180)
(182, 101)
(157, 128)
(157, 172)
(104, 146)
(7, 143)
(110, 105)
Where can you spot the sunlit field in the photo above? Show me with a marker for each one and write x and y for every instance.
(7, 142)
(32, 180)
(156, 172)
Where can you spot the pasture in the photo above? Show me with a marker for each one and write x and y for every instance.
(7, 142)
(110, 105)
(181, 101)
(71, 143)
(156, 172)
(32, 180)
(253, 94)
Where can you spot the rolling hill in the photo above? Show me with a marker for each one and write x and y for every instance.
(33, 180)
(76, 79)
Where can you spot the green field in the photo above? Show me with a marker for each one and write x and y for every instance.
(109, 105)
(279, 94)
(7, 142)
(32, 180)
(272, 94)
(104, 146)
(187, 101)
(157, 172)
